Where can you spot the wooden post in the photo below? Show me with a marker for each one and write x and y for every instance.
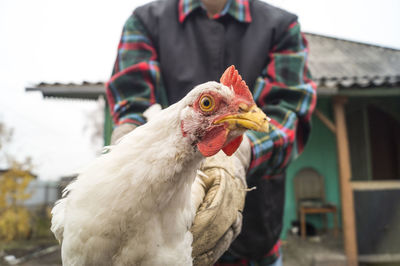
(342, 145)
(325, 120)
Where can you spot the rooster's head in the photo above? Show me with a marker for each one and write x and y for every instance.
(217, 114)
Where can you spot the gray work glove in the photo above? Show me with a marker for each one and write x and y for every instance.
(218, 195)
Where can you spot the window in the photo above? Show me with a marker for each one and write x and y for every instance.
(374, 139)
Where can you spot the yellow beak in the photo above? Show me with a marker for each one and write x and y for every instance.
(253, 118)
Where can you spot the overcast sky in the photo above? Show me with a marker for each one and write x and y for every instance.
(75, 40)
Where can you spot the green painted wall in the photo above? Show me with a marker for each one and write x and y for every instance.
(108, 125)
(320, 153)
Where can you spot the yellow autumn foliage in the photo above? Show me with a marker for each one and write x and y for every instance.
(14, 224)
(14, 218)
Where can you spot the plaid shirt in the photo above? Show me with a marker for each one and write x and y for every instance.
(284, 89)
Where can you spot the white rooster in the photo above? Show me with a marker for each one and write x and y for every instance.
(132, 206)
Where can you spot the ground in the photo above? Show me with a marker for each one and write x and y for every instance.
(321, 251)
(28, 250)
(51, 259)
(325, 251)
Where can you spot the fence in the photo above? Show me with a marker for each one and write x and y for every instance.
(43, 193)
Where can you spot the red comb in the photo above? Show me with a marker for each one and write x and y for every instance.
(231, 78)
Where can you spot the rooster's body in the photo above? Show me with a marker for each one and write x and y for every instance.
(132, 206)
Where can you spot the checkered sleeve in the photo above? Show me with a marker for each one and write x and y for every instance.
(287, 95)
(136, 81)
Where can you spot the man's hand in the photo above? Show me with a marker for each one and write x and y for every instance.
(124, 129)
(218, 195)
(121, 131)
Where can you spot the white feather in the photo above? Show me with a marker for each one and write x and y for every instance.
(132, 206)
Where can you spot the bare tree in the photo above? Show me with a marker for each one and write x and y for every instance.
(94, 125)
(5, 137)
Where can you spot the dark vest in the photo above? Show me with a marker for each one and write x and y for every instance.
(199, 50)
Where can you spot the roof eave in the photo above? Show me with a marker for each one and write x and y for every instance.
(90, 92)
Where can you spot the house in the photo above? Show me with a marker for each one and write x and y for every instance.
(354, 143)
(360, 84)
(41, 193)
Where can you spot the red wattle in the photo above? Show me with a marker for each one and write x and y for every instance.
(232, 146)
(213, 141)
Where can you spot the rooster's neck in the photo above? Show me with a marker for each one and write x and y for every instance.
(168, 160)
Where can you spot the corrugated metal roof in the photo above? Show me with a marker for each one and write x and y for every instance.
(342, 64)
(335, 64)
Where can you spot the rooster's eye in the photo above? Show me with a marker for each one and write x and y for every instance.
(207, 103)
